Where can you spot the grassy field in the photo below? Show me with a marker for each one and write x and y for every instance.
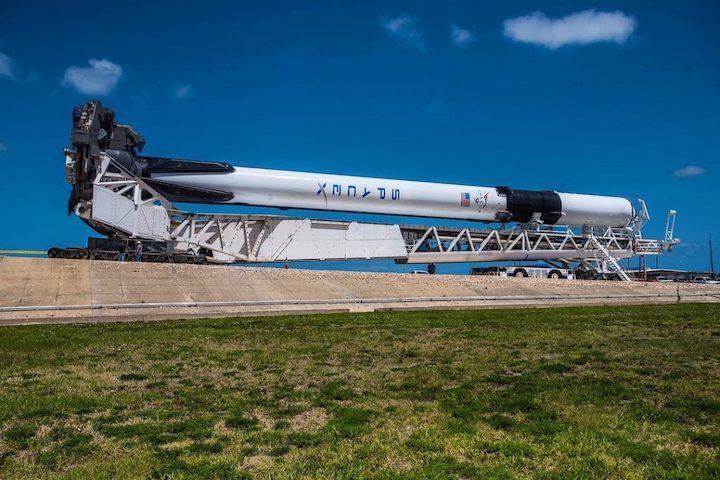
(602, 392)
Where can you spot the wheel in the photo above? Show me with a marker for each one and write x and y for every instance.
(96, 255)
(182, 258)
(200, 260)
(555, 275)
(521, 273)
(54, 252)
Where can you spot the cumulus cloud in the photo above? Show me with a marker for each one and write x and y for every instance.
(6, 66)
(461, 37)
(405, 30)
(182, 91)
(689, 171)
(581, 28)
(97, 79)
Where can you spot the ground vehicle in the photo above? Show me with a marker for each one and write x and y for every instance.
(539, 272)
(524, 272)
(705, 280)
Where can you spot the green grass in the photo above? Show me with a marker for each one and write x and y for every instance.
(602, 392)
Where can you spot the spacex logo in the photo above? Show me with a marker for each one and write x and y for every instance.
(347, 190)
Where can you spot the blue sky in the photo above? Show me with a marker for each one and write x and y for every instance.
(623, 99)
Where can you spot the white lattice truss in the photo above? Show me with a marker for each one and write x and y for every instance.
(548, 243)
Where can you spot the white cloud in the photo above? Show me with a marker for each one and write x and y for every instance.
(581, 28)
(689, 171)
(97, 79)
(6, 66)
(461, 37)
(182, 91)
(405, 30)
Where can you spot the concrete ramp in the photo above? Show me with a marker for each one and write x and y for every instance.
(46, 290)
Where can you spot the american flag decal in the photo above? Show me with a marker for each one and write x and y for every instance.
(465, 199)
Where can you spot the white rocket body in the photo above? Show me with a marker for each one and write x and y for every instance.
(317, 191)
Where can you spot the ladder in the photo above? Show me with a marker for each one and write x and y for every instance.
(605, 253)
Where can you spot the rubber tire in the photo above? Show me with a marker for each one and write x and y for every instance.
(54, 252)
(520, 273)
(555, 275)
(200, 260)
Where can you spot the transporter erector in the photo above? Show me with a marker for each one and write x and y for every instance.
(127, 196)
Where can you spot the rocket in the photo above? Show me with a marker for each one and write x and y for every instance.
(342, 193)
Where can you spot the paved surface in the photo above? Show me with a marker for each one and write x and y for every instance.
(43, 290)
